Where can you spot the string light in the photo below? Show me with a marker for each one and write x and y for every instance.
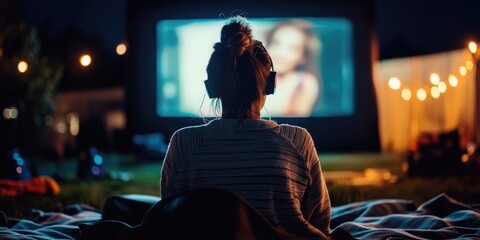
(462, 70)
(469, 65)
(434, 78)
(442, 86)
(406, 94)
(22, 66)
(421, 94)
(435, 92)
(121, 49)
(85, 60)
(452, 79)
(472, 46)
(439, 86)
(394, 83)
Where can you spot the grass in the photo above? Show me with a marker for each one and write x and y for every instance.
(144, 179)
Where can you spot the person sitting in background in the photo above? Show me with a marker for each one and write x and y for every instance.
(274, 167)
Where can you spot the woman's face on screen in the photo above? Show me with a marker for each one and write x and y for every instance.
(287, 49)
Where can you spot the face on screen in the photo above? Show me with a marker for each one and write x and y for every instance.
(312, 58)
(287, 47)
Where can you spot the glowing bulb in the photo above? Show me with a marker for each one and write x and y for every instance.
(473, 47)
(435, 92)
(442, 86)
(61, 127)
(19, 170)
(469, 65)
(13, 112)
(22, 66)
(421, 94)
(406, 94)
(85, 60)
(394, 83)
(434, 78)
(10, 113)
(463, 70)
(121, 49)
(6, 113)
(452, 79)
(74, 123)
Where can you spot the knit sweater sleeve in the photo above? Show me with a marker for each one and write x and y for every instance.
(182, 143)
(315, 205)
(170, 165)
(316, 200)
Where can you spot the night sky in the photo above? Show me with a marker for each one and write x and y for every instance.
(413, 27)
(102, 18)
(406, 27)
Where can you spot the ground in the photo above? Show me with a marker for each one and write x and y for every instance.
(350, 178)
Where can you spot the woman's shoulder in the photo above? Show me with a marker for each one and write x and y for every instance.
(299, 137)
(293, 131)
(188, 130)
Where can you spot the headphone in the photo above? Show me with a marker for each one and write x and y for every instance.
(269, 87)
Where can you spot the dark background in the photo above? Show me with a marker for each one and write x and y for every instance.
(401, 28)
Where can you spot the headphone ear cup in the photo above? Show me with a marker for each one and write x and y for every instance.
(271, 83)
(211, 89)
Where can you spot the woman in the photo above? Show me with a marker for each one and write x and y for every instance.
(294, 48)
(273, 167)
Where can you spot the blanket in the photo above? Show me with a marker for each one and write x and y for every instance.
(41, 185)
(49, 225)
(439, 218)
(442, 217)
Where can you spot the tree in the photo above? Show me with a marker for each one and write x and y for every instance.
(28, 80)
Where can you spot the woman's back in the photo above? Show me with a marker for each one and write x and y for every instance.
(273, 167)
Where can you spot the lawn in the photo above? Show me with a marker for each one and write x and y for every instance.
(129, 175)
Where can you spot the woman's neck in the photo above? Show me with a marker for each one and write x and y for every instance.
(247, 115)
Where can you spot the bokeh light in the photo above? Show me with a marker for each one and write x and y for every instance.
(10, 113)
(421, 94)
(472, 46)
(22, 66)
(452, 79)
(469, 65)
(61, 127)
(442, 86)
(121, 49)
(435, 92)
(394, 83)
(74, 123)
(98, 159)
(434, 78)
(85, 60)
(462, 70)
(406, 94)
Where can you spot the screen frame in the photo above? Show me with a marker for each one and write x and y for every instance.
(355, 133)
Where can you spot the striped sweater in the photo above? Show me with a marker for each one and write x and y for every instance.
(274, 167)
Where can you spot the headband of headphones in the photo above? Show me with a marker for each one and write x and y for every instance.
(213, 92)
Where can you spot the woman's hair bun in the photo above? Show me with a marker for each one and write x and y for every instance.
(236, 36)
